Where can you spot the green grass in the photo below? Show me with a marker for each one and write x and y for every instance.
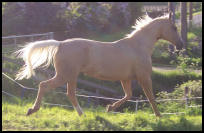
(60, 119)
(196, 13)
(167, 80)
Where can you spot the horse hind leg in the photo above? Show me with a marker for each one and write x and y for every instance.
(44, 87)
(126, 84)
(71, 90)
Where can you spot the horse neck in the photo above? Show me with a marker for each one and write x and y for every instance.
(146, 37)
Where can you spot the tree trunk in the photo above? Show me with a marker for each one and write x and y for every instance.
(190, 14)
(184, 23)
(171, 8)
(190, 11)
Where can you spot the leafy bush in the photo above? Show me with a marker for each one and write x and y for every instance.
(195, 87)
(161, 53)
(195, 90)
(187, 62)
(68, 19)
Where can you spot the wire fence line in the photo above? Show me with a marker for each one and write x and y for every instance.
(48, 35)
(105, 98)
(9, 94)
(12, 51)
(32, 35)
(61, 105)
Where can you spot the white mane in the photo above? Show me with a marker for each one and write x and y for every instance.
(143, 22)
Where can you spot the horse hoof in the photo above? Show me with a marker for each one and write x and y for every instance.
(80, 114)
(30, 111)
(159, 115)
(109, 108)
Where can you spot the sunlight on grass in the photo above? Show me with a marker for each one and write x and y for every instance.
(56, 118)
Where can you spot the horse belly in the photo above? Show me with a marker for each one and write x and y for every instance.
(108, 69)
(107, 75)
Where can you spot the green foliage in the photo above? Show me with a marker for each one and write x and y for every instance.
(195, 90)
(160, 53)
(177, 15)
(12, 18)
(70, 20)
(194, 48)
(167, 80)
(135, 10)
(197, 6)
(186, 62)
(192, 56)
(196, 30)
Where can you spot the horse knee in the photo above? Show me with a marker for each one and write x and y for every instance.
(128, 97)
(71, 97)
(68, 94)
(42, 86)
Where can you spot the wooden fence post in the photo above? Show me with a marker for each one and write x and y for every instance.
(89, 102)
(136, 106)
(97, 94)
(31, 39)
(186, 95)
(51, 35)
(22, 93)
(15, 40)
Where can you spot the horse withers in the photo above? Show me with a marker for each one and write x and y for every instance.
(126, 59)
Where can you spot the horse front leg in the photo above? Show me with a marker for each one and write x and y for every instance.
(126, 84)
(146, 84)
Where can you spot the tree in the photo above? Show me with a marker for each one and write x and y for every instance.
(171, 7)
(184, 23)
(12, 18)
(117, 17)
(40, 17)
(190, 10)
(135, 9)
(190, 13)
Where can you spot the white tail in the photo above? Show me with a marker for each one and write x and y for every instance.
(35, 54)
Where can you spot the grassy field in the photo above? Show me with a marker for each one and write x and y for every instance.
(58, 119)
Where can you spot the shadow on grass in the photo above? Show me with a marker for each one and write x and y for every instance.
(108, 124)
(181, 125)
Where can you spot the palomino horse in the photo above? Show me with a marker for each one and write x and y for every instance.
(125, 60)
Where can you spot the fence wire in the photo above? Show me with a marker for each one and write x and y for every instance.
(105, 98)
